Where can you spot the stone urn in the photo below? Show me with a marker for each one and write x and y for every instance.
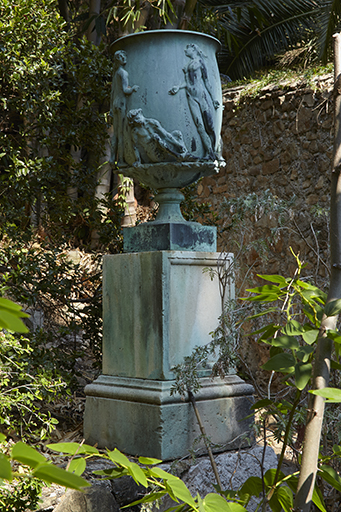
(166, 106)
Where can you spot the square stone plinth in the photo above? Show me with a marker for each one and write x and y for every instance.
(141, 417)
(157, 306)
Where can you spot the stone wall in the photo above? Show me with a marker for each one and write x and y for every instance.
(278, 139)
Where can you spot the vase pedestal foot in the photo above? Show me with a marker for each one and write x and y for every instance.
(170, 236)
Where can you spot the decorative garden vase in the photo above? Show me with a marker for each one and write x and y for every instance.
(166, 105)
(158, 303)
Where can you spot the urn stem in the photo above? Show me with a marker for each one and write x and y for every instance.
(169, 200)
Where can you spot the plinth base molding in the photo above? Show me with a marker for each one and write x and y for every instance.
(141, 417)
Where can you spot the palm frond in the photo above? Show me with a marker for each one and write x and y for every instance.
(254, 31)
(329, 22)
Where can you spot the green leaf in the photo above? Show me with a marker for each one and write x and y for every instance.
(330, 476)
(133, 469)
(2, 437)
(312, 312)
(27, 455)
(235, 507)
(293, 328)
(304, 353)
(269, 477)
(333, 308)
(266, 289)
(285, 342)
(180, 491)
(337, 449)
(308, 286)
(119, 458)
(310, 336)
(73, 448)
(317, 499)
(260, 404)
(302, 374)
(335, 365)
(10, 314)
(280, 363)
(285, 498)
(11, 306)
(228, 493)
(160, 473)
(252, 487)
(200, 503)
(275, 504)
(112, 472)
(77, 466)
(270, 297)
(269, 310)
(334, 335)
(138, 475)
(149, 461)
(216, 503)
(332, 395)
(11, 322)
(282, 407)
(5, 468)
(275, 350)
(286, 404)
(282, 281)
(148, 498)
(52, 474)
(267, 331)
(311, 292)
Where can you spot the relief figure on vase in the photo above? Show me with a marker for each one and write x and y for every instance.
(120, 91)
(151, 143)
(200, 101)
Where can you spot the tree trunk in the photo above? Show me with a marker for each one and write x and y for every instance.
(174, 18)
(75, 153)
(103, 186)
(64, 11)
(312, 436)
(38, 204)
(182, 16)
(91, 33)
(187, 14)
(141, 22)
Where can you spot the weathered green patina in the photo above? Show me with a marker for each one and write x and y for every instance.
(167, 128)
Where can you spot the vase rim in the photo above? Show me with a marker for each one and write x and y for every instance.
(168, 31)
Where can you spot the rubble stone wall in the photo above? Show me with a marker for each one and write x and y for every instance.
(279, 139)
